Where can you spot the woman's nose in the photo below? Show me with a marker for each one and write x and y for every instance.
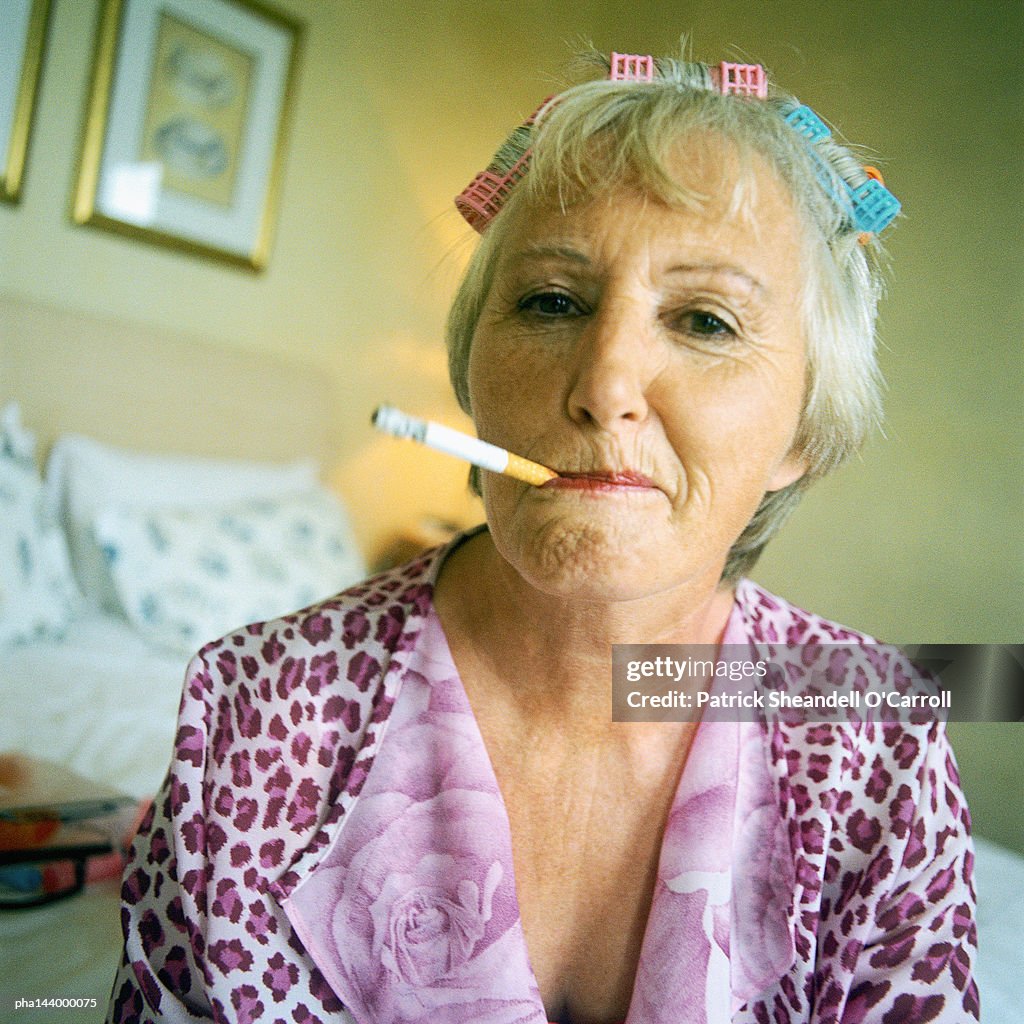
(612, 372)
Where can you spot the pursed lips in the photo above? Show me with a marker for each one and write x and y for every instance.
(601, 480)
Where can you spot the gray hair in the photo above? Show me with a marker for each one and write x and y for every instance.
(842, 278)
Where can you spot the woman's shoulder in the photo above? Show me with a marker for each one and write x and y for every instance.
(768, 618)
(310, 687)
(288, 710)
(363, 624)
(881, 722)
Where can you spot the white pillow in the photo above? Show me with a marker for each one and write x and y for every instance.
(85, 477)
(37, 592)
(187, 576)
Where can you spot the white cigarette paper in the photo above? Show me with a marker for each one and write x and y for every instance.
(462, 446)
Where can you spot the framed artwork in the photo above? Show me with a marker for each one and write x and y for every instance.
(185, 132)
(22, 39)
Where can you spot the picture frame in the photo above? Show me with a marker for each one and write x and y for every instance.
(22, 42)
(188, 116)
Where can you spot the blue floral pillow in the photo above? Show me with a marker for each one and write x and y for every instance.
(187, 576)
(37, 592)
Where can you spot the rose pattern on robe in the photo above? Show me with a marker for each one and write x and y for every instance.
(418, 931)
(424, 933)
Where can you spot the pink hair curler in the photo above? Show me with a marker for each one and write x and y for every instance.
(631, 67)
(740, 80)
(480, 201)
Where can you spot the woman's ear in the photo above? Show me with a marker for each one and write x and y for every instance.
(788, 471)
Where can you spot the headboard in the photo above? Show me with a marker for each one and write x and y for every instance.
(146, 388)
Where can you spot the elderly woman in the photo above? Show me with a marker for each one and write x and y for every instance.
(410, 803)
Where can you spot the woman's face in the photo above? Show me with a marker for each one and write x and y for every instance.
(658, 354)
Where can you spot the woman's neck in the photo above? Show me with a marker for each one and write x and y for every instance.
(552, 652)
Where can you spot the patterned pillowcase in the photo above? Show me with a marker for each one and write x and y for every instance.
(188, 576)
(84, 477)
(37, 592)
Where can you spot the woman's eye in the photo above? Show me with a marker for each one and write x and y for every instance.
(553, 304)
(703, 324)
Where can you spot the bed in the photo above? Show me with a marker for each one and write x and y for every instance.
(91, 669)
(118, 443)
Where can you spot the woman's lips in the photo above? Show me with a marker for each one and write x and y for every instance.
(601, 480)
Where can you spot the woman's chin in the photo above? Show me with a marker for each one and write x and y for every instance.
(593, 561)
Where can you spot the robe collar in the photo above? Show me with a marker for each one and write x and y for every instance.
(411, 912)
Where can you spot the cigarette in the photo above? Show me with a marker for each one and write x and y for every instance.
(462, 446)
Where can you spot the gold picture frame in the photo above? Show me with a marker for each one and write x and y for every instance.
(22, 42)
(189, 111)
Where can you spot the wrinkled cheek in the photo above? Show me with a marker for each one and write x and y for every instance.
(725, 483)
(512, 387)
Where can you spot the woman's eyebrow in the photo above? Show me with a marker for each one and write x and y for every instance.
(543, 250)
(712, 269)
